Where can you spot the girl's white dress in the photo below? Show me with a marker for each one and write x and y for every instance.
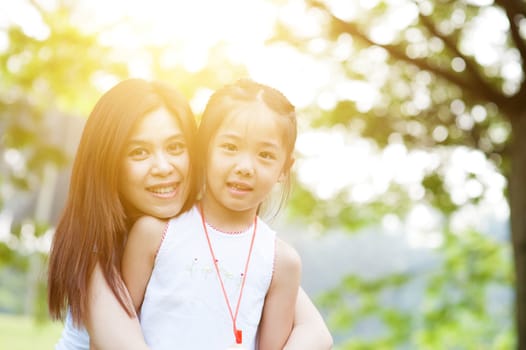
(184, 306)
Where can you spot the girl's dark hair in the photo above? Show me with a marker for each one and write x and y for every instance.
(94, 223)
(243, 93)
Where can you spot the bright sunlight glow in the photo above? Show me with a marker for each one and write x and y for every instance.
(332, 161)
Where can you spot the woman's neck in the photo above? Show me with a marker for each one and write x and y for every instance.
(225, 219)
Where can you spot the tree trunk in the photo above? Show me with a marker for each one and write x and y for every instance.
(517, 201)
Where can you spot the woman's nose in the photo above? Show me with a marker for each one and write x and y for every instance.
(162, 165)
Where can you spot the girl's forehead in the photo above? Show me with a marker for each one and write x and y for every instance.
(254, 115)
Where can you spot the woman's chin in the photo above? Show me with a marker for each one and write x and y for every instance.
(165, 212)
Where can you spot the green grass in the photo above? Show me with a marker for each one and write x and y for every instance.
(23, 333)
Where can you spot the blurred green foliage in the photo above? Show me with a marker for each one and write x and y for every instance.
(23, 333)
(56, 73)
(433, 95)
(452, 308)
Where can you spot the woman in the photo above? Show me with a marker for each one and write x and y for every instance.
(105, 200)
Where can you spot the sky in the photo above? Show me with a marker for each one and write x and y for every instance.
(330, 160)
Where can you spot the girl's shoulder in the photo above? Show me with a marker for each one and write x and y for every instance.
(147, 224)
(147, 234)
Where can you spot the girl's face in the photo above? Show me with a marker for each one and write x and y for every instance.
(155, 167)
(246, 159)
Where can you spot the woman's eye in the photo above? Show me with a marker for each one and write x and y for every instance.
(229, 147)
(138, 153)
(176, 147)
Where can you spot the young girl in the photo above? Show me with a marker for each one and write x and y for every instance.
(111, 186)
(210, 277)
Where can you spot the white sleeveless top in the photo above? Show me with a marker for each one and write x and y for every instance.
(72, 338)
(184, 306)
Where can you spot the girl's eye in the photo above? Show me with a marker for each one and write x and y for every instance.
(267, 155)
(176, 147)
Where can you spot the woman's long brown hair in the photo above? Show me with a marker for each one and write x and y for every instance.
(94, 223)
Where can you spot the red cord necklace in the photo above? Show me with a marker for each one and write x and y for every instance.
(238, 334)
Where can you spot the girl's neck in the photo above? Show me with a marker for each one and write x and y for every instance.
(224, 219)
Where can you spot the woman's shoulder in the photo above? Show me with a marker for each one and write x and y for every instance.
(287, 257)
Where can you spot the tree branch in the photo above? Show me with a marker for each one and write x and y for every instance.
(474, 88)
(453, 46)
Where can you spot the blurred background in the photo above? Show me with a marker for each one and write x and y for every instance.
(409, 192)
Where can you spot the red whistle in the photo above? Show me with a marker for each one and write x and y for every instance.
(239, 336)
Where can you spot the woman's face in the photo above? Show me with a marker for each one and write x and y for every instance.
(155, 167)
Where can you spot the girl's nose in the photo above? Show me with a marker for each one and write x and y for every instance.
(245, 165)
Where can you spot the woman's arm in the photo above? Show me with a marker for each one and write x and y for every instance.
(278, 311)
(108, 324)
(310, 331)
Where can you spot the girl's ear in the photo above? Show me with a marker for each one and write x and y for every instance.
(286, 170)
